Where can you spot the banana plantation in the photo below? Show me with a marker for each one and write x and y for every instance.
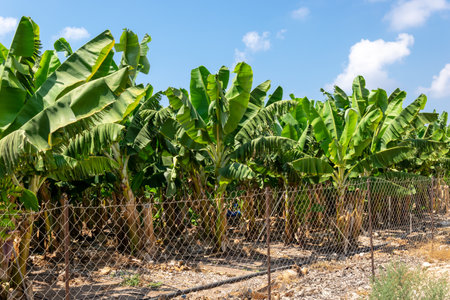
(78, 126)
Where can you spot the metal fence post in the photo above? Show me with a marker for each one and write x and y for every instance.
(369, 204)
(66, 247)
(432, 211)
(269, 288)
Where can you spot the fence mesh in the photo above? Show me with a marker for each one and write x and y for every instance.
(150, 247)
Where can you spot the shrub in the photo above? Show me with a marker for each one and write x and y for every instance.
(399, 281)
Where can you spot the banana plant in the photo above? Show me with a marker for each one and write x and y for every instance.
(430, 138)
(136, 131)
(354, 134)
(220, 123)
(17, 70)
(61, 101)
(294, 125)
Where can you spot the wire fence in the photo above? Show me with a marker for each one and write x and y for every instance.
(159, 248)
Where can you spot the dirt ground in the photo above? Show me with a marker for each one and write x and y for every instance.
(100, 275)
(334, 279)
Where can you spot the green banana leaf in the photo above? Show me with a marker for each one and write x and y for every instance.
(364, 131)
(152, 120)
(236, 171)
(29, 200)
(257, 97)
(321, 132)
(15, 86)
(384, 159)
(400, 124)
(276, 96)
(379, 98)
(77, 70)
(238, 96)
(341, 98)
(47, 65)
(262, 146)
(62, 45)
(91, 104)
(94, 141)
(312, 166)
(70, 169)
(198, 88)
(351, 120)
(260, 122)
(332, 120)
(360, 95)
(187, 115)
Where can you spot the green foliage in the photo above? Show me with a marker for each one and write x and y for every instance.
(155, 285)
(84, 116)
(128, 278)
(399, 281)
(8, 214)
(61, 45)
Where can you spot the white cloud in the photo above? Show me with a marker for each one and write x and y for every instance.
(74, 33)
(7, 25)
(300, 14)
(370, 59)
(413, 13)
(239, 56)
(440, 86)
(255, 42)
(281, 33)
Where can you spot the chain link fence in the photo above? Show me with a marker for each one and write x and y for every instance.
(159, 248)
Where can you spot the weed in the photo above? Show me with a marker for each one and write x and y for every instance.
(398, 281)
(132, 280)
(155, 285)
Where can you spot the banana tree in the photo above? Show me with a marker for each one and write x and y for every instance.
(60, 102)
(430, 138)
(42, 160)
(135, 136)
(354, 142)
(296, 126)
(221, 123)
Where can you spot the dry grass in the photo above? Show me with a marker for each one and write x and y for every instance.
(433, 252)
(326, 266)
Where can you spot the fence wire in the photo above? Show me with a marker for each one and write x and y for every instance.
(149, 247)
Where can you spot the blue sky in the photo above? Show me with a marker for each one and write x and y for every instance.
(300, 45)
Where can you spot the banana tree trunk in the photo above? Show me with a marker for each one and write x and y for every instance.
(349, 214)
(18, 266)
(119, 224)
(343, 213)
(342, 223)
(130, 212)
(149, 232)
(290, 226)
(356, 217)
(171, 216)
(203, 204)
(221, 223)
(305, 214)
(26, 231)
(131, 216)
(47, 207)
(248, 211)
(24, 246)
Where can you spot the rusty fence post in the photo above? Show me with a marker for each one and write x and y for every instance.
(432, 211)
(269, 287)
(369, 204)
(66, 247)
